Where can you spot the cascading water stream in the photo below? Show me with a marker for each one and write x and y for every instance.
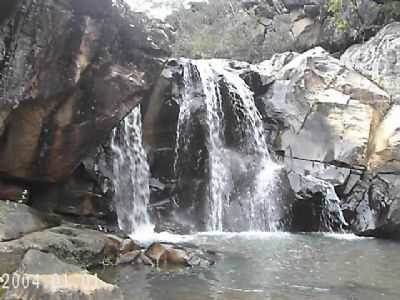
(259, 206)
(131, 175)
(262, 204)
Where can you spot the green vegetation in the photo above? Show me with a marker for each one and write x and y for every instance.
(335, 9)
(221, 28)
(392, 9)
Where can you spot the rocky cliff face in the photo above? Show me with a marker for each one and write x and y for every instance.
(334, 129)
(70, 71)
(256, 30)
(301, 25)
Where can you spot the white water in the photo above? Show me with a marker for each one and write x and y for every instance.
(218, 171)
(262, 201)
(258, 200)
(159, 9)
(131, 175)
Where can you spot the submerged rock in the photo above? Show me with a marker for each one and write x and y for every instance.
(170, 254)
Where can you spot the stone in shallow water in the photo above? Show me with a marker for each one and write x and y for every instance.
(128, 246)
(182, 255)
(129, 257)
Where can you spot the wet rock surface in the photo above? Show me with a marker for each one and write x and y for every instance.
(163, 254)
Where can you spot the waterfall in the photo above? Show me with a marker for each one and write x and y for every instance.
(131, 175)
(210, 78)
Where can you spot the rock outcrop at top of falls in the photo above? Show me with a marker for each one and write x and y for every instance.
(70, 71)
(256, 30)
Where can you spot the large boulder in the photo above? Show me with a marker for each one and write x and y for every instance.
(17, 220)
(317, 206)
(338, 134)
(386, 142)
(379, 59)
(373, 206)
(79, 246)
(47, 277)
(70, 71)
(326, 114)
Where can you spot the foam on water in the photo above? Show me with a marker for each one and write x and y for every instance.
(146, 236)
(344, 236)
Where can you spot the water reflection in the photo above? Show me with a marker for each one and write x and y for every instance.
(275, 267)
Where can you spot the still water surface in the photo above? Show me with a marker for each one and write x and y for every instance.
(275, 266)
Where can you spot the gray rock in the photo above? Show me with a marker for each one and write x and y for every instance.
(128, 246)
(317, 207)
(50, 278)
(83, 247)
(324, 113)
(373, 207)
(129, 257)
(385, 147)
(66, 84)
(379, 59)
(17, 220)
(37, 262)
(302, 25)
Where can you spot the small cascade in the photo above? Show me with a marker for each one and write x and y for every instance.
(131, 175)
(213, 79)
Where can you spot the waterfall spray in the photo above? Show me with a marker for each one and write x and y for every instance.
(257, 201)
(131, 175)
